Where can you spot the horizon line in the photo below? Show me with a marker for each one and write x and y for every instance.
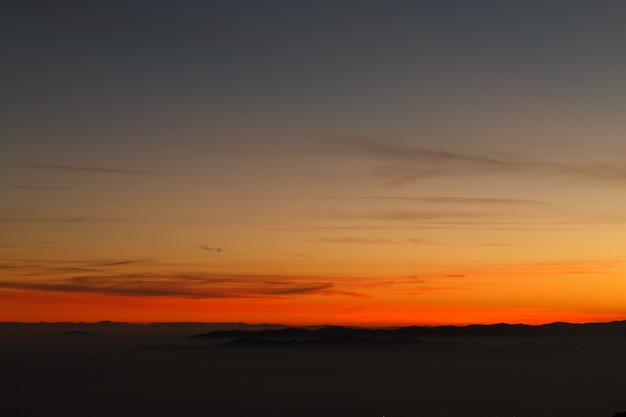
(298, 325)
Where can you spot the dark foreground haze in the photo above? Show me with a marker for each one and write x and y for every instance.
(116, 369)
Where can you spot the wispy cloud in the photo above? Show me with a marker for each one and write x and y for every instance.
(290, 287)
(459, 200)
(399, 165)
(73, 219)
(50, 267)
(418, 241)
(354, 240)
(368, 241)
(418, 215)
(447, 225)
(124, 277)
(520, 216)
(209, 248)
(413, 280)
(118, 262)
(51, 167)
(119, 277)
(39, 187)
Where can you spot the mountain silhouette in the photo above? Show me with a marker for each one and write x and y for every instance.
(496, 333)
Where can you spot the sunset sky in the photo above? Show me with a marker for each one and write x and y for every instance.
(309, 162)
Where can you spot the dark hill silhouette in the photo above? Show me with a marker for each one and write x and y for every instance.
(495, 333)
(292, 332)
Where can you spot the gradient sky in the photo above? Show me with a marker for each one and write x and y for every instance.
(356, 162)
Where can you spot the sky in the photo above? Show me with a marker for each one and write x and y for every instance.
(371, 163)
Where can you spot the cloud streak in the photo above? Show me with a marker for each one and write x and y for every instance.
(290, 287)
(427, 216)
(196, 286)
(74, 168)
(75, 219)
(461, 200)
(45, 266)
(368, 241)
(209, 248)
(353, 240)
(400, 165)
(39, 187)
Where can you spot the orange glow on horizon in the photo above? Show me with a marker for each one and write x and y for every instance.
(31, 306)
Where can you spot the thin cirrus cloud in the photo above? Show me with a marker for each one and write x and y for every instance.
(354, 240)
(112, 276)
(209, 248)
(39, 187)
(76, 277)
(418, 241)
(402, 164)
(51, 167)
(458, 200)
(367, 241)
(417, 215)
(35, 267)
(290, 287)
(73, 219)
(180, 285)
(119, 262)
(486, 218)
